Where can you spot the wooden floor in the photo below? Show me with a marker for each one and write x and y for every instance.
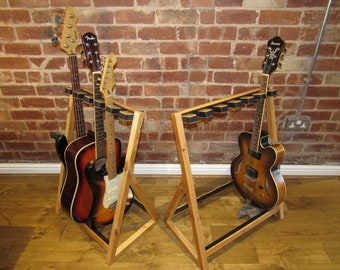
(32, 236)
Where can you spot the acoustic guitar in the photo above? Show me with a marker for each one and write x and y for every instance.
(256, 171)
(76, 194)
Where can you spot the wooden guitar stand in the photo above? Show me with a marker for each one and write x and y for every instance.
(200, 251)
(132, 117)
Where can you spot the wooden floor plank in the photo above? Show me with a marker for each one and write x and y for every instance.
(32, 236)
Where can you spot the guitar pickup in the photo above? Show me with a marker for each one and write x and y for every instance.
(251, 173)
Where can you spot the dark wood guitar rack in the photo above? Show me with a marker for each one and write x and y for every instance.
(200, 251)
(134, 118)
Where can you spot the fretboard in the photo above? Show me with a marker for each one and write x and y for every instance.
(110, 141)
(99, 106)
(77, 97)
(256, 133)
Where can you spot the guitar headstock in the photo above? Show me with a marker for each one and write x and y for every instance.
(70, 40)
(108, 81)
(275, 47)
(90, 47)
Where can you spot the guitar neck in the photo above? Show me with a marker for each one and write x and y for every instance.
(110, 141)
(77, 97)
(256, 133)
(98, 117)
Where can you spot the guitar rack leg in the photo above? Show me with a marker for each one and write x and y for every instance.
(114, 250)
(69, 130)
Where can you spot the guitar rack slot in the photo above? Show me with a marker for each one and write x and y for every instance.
(199, 250)
(190, 118)
(113, 109)
(100, 104)
(271, 93)
(88, 99)
(68, 91)
(205, 113)
(125, 115)
(234, 105)
(247, 100)
(220, 108)
(259, 96)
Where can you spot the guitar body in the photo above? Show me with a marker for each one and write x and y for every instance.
(76, 195)
(60, 145)
(101, 215)
(98, 182)
(256, 175)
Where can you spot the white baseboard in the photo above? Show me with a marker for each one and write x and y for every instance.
(173, 169)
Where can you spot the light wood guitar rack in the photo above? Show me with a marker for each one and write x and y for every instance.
(199, 250)
(134, 118)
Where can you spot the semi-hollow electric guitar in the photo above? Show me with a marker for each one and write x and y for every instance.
(76, 194)
(96, 171)
(256, 170)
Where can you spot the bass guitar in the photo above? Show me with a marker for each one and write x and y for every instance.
(95, 170)
(69, 43)
(256, 171)
(76, 195)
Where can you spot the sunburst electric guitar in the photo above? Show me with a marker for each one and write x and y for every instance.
(107, 154)
(256, 171)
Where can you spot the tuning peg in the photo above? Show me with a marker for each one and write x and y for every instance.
(83, 57)
(55, 41)
(58, 19)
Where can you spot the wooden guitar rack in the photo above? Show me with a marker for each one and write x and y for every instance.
(200, 251)
(128, 116)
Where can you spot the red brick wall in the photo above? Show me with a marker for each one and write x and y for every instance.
(172, 55)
